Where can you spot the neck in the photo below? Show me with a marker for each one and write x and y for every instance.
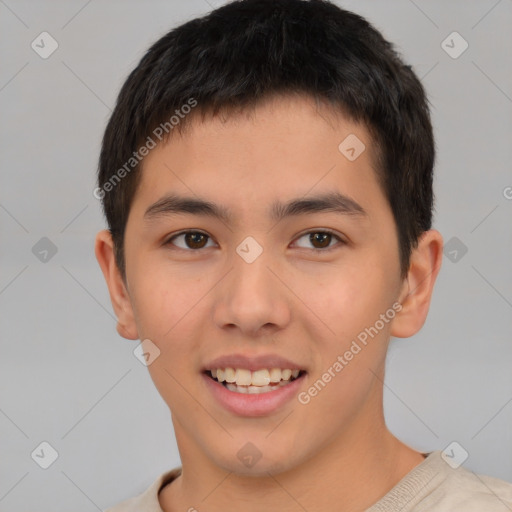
(351, 472)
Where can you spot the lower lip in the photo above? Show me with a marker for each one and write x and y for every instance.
(261, 404)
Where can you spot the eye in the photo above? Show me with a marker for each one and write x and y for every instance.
(195, 240)
(321, 240)
(189, 240)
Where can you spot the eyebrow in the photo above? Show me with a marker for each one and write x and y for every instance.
(331, 202)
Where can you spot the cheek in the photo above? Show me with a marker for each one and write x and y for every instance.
(348, 301)
(352, 308)
(163, 300)
(165, 309)
(352, 305)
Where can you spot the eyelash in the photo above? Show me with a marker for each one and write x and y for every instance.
(314, 231)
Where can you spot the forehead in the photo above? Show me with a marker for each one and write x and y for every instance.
(286, 146)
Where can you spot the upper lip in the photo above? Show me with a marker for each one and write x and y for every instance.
(253, 363)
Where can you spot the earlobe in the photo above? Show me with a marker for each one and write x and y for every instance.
(104, 250)
(418, 286)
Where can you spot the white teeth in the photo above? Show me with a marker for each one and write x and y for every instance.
(230, 375)
(254, 390)
(234, 387)
(275, 374)
(259, 378)
(243, 377)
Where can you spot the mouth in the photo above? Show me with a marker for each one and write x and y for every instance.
(245, 381)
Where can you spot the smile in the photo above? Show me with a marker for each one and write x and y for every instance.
(241, 380)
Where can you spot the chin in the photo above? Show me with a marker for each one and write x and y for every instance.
(248, 461)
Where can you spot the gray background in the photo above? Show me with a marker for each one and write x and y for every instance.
(67, 378)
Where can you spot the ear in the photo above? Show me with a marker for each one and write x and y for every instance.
(104, 250)
(418, 286)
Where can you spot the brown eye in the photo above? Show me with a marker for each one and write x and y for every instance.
(320, 241)
(189, 240)
(195, 240)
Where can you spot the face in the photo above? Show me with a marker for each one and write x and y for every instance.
(249, 283)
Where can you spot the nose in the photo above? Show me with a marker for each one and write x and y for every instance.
(251, 299)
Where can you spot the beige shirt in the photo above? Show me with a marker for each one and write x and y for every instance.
(432, 486)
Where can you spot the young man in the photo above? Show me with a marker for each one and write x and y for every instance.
(267, 182)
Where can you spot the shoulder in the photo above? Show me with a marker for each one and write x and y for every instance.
(148, 500)
(436, 486)
(467, 491)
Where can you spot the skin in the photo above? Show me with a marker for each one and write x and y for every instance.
(335, 453)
